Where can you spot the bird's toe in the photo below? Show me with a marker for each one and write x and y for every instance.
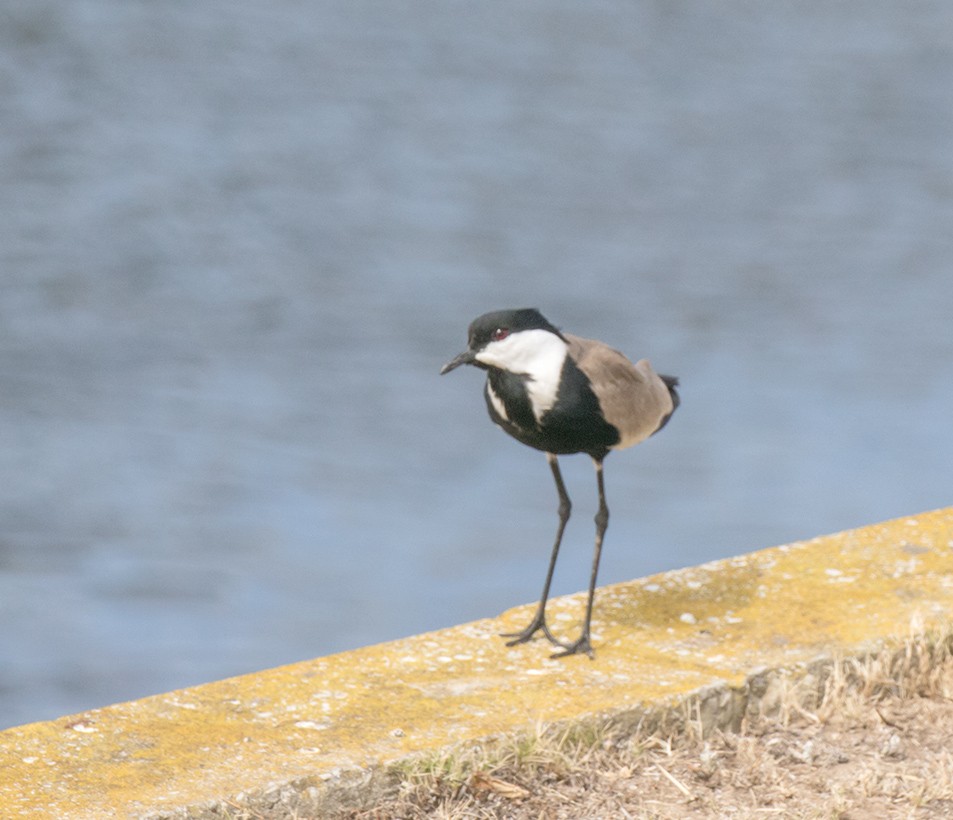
(524, 635)
(578, 647)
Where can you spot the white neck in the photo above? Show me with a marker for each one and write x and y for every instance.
(537, 354)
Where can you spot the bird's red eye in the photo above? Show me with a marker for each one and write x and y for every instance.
(500, 333)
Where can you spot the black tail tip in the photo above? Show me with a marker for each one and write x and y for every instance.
(671, 382)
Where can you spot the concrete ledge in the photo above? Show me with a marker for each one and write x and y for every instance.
(314, 733)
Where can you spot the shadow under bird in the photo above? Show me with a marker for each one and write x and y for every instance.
(563, 394)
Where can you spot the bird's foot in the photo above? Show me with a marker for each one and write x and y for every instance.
(538, 624)
(577, 647)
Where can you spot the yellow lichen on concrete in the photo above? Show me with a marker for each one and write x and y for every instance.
(657, 640)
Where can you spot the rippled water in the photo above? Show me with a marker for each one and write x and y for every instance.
(238, 241)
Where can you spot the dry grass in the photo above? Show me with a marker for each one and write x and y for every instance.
(852, 739)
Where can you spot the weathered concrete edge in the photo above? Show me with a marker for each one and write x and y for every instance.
(710, 708)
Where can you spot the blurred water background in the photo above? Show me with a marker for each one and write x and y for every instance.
(238, 240)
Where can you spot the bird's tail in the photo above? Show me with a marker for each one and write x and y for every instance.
(671, 382)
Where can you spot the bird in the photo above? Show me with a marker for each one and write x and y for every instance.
(563, 394)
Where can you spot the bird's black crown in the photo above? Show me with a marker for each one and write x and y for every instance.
(514, 320)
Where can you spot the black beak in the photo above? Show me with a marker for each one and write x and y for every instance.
(467, 357)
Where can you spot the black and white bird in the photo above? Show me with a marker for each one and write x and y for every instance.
(562, 394)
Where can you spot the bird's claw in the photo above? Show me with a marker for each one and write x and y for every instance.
(581, 646)
(538, 624)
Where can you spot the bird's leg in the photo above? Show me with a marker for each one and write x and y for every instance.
(539, 619)
(602, 522)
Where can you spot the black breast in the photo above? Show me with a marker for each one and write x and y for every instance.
(574, 424)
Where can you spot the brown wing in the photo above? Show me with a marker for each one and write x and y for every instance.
(633, 397)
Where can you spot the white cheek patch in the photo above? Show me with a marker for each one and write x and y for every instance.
(537, 354)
